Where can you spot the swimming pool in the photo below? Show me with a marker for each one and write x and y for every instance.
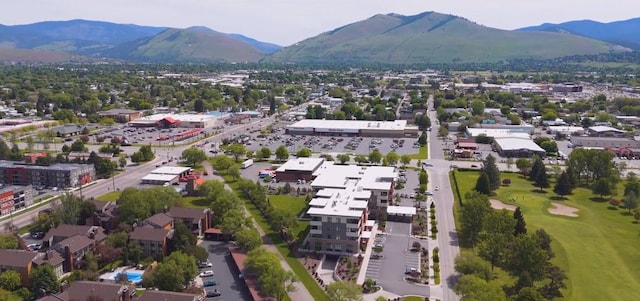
(133, 276)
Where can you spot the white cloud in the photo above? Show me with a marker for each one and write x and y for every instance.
(288, 21)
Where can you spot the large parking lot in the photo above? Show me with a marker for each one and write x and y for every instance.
(226, 273)
(152, 136)
(326, 144)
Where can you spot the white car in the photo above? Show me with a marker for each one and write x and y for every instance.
(207, 273)
(437, 188)
(206, 264)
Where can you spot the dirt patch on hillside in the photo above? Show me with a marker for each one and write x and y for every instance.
(496, 204)
(564, 210)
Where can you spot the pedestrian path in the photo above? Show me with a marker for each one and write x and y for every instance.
(373, 269)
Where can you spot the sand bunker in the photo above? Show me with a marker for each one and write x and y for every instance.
(564, 210)
(495, 204)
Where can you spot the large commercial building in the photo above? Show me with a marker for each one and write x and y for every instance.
(15, 197)
(176, 120)
(363, 128)
(121, 115)
(604, 142)
(61, 175)
(518, 148)
(166, 174)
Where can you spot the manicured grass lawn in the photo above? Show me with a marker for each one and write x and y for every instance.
(303, 276)
(294, 205)
(421, 155)
(195, 202)
(598, 250)
(413, 298)
(109, 197)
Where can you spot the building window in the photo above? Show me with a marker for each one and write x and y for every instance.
(384, 193)
(314, 227)
(328, 236)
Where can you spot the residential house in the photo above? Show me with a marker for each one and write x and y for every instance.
(52, 258)
(105, 216)
(159, 221)
(73, 249)
(18, 260)
(64, 231)
(197, 220)
(90, 290)
(152, 241)
(68, 130)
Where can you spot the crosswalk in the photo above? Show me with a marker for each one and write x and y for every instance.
(373, 269)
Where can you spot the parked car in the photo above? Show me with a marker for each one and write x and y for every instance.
(213, 293)
(207, 273)
(209, 283)
(205, 264)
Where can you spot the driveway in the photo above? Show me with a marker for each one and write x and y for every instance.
(226, 273)
(388, 271)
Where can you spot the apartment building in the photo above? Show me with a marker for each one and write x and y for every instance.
(345, 196)
(61, 175)
(19, 261)
(153, 241)
(15, 197)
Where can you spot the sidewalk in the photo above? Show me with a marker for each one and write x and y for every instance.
(300, 292)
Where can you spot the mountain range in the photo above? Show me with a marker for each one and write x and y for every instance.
(429, 37)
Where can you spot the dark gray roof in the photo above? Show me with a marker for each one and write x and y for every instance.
(68, 129)
(151, 295)
(159, 220)
(82, 290)
(67, 231)
(149, 234)
(16, 258)
(51, 257)
(184, 212)
(75, 243)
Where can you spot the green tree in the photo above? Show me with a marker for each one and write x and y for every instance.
(30, 142)
(496, 236)
(483, 185)
(210, 188)
(602, 187)
(422, 140)
(375, 157)
(43, 278)
(343, 158)
(237, 150)
(194, 156)
(248, 238)
(234, 172)
(304, 153)
(529, 294)
(10, 280)
(221, 162)
(477, 107)
(175, 271)
(423, 177)
(470, 264)
(630, 201)
(553, 288)
(405, 160)
(78, 146)
(360, 159)
(344, 291)
(472, 213)
(541, 178)
(521, 226)
(422, 121)
(9, 241)
(70, 209)
(523, 165)
(273, 279)
(474, 288)
(232, 221)
(491, 169)
(392, 158)
(265, 153)
(526, 260)
(281, 153)
(563, 185)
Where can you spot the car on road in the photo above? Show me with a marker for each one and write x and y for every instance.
(213, 293)
(412, 196)
(205, 264)
(429, 193)
(437, 188)
(474, 166)
(209, 283)
(207, 273)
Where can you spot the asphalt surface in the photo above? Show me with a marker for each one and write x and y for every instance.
(225, 273)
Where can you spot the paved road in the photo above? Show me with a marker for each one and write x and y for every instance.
(447, 234)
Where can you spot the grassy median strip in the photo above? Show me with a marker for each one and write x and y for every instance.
(303, 276)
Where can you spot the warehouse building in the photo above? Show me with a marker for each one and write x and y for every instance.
(518, 148)
(604, 142)
(361, 128)
(166, 174)
(496, 133)
(298, 169)
(176, 120)
(61, 175)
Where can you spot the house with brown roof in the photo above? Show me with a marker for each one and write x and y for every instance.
(90, 290)
(159, 221)
(64, 231)
(52, 258)
(152, 241)
(152, 295)
(19, 261)
(105, 216)
(73, 249)
(196, 219)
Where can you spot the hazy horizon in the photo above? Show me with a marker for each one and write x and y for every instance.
(286, 22)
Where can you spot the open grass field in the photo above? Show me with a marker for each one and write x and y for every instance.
(294, 205)
(109, 197)
(598, 249)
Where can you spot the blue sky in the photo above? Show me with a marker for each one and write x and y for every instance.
(285, 22)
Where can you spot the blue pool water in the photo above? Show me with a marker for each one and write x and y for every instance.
(133, 276)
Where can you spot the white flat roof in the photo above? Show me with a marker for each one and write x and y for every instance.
(517, 144)
(601, 128)
(349, 124)
(338, 202)
(170, 170)
(331, 175)
(366, 234)
(180, 117)
(301, 164)
(564, 128)
(497, 133)
(401, 210)
(159, 177)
